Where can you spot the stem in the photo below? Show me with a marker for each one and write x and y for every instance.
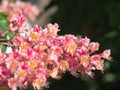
(6, 42)
(3, 40)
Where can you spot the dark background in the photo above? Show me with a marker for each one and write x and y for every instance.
(99, 20)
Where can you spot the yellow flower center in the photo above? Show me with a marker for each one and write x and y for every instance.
(71, 48)
(34, 35)
(22, 73)
(11, 14)
(38, 81)
(64, 63)
(44, 47)
(24, 46)
(32, 64)
(14, 64)
(84, 59)
(52, 31)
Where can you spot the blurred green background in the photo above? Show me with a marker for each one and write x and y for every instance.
(99, 20)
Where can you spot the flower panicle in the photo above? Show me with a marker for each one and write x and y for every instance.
(40, 53)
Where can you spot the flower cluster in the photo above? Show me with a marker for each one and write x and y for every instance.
(37, 53)
(30, 11)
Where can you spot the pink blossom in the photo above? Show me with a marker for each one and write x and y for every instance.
(106, 54)
(84, 41)
(85, 61)
(64, 66)
(39, 53)
(94, 46)
(52, 29)
(17, 6)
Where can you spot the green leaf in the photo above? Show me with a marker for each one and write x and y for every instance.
(111, 34)
(4, 47)
(9, 35)
(3, 25)
(19, 88)
(3, 22)
(3, 16)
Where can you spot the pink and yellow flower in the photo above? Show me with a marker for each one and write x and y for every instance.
(37, 54)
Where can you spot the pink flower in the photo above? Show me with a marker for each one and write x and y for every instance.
(82, 51)
(94, 46)
(39, 53)
(85, 61)
(16, 21)
(52, 29)
(97, 61)
(106, 54)
(12, 83)
(84, 41)
(64, 66)
(17, 6)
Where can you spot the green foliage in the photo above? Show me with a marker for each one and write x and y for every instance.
(4, 47)
(111, 34)
(9, 35)
(3, 22)
(4, 27)
(3, 16)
